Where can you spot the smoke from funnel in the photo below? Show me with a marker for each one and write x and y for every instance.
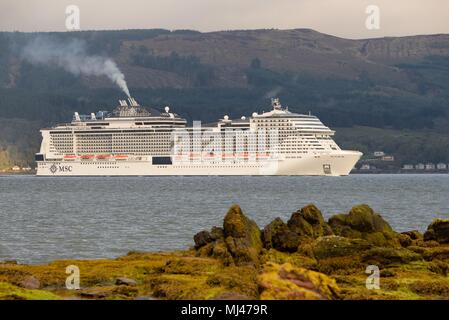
(273, 93)
(72, 57)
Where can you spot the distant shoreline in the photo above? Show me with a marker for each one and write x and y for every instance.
(400, 171)
(21, 173)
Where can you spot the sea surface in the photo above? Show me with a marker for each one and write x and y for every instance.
(45, 218)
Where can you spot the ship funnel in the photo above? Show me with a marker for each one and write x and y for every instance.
(133, 102)
(92, 116)
(77, 116)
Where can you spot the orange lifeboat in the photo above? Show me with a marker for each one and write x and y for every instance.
(243, 154)
(87, 156)
(263, 155)
(228, 155)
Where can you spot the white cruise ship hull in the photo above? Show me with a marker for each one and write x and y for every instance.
(333, 164)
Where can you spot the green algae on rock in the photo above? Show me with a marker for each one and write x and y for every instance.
(363, 223)
(309, 222)
(438, 230)
(239, 243)
(336, 246)
(277, 235)
(388, 256)
(287, 282)
(305, 258)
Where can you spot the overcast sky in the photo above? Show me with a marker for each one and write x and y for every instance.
(344, 18)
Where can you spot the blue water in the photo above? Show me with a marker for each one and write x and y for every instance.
(45, 218)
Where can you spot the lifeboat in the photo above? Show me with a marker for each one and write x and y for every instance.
(121, 157)
(228, 155)
(87, 156)
(263, 155)
(243, 154)
(103, 156)
(69, 156)
(182, 157)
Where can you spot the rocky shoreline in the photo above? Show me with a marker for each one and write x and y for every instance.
(305, 257)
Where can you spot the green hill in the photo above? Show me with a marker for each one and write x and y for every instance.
(391, 84)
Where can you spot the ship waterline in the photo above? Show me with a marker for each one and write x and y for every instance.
(133, 141)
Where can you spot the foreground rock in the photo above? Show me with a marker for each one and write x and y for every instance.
(388, 256)
(30, 282)
(278, 235)
(438, 230)
(125, 281)
(303, 226)
(336, 246)
(285, 282)
(363, 223)
(309, 223)
(303, 258)
(238, 243)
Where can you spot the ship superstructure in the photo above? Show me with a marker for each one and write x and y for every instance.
(133, 140)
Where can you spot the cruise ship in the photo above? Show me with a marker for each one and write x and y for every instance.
(136, 141)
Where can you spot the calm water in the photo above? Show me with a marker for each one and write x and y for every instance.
(54, 218)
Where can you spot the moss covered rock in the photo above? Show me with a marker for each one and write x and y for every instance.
(434, 288)
(277, 235)
(335, 254)
(405, 240)
(11, 292)
(432, 253)
(388, 256)
(242, 280)
(202, 238)
(216, 233)
(413, 234)
(336, 246)
(232, 296)
(296, 259)
(363, 223)
(438, 230)
(286, 282)
(238, 242)
(242, 236)
(309, 222)
(439, 267)
(410, 238)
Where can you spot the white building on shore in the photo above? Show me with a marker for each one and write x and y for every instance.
(420, 166)
(430, 166)
(441, 166)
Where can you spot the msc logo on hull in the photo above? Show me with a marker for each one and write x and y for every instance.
(54, 168)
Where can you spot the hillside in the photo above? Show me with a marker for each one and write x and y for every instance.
(398, 84)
